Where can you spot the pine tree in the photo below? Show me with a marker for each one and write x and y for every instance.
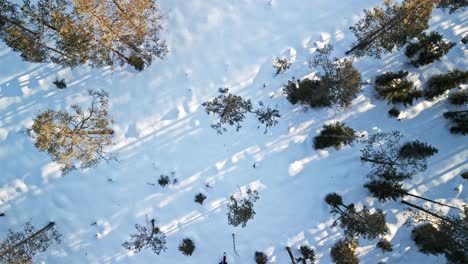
(459, 98)
(267, 116)
(22, 246)
(187, 247)
(439, 84)
(148, 236)
(396, 88)
(344, 252)
(240, 211)
(334, 135)
(429, 48)
(75, 32)
(341, 79)
(357, 223)
(230, 108)
(307, 255)
(79, 137)
(390, 159)
(448, 237)
(382, 30)
(452, 6)
(460, 120)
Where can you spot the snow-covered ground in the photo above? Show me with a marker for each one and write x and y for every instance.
(162, 128)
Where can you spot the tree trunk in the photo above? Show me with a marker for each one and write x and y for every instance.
(234, 244)
(291, 255)
(24, 241)
(433, 214)
(106, 131)
(380, 162)
(429, 200)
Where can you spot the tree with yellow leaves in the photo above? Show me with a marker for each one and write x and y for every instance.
(75, 32)
(77, 139)
(382, 30)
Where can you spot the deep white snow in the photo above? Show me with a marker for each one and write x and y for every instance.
(161, 127)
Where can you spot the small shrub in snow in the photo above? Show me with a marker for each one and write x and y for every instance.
(464, 175)
(200, 198)
(460, 121)
(394, 112)
(240, 211)
(396, 88)
(429, 48)
(60, 84)
(459, 98)
(281, 65)
(224, 260)
(163, 180)
(22, 246)
(267, 116)
(464, 40)
(261, 258)
(344, 252)
(231, 110)
(148, 236)
(334, 135)
(307, 255)
(439, 84)
(385, 245)
(187, 247)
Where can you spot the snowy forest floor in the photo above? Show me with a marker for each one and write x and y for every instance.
(161, 127)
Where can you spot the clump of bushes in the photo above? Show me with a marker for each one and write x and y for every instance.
(334, 135)
(441, 83)
(429, 48)
(396, 88)
(187, 247)
(459, 98)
